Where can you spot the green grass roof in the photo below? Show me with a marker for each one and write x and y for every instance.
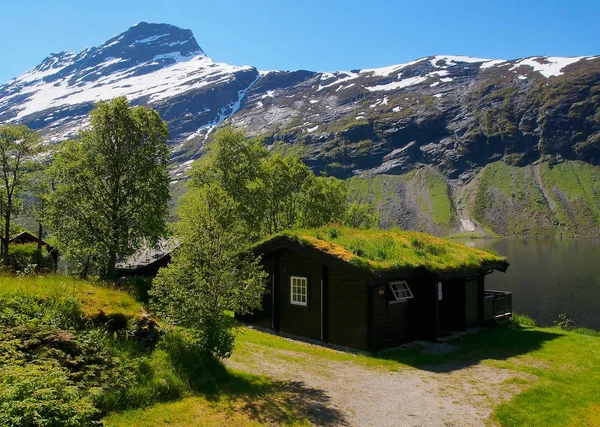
(387, 251)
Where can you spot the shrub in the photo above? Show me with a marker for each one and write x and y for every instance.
(23, 308)
(42, 394)
(564, 322)
(27, 254)
(522, 321)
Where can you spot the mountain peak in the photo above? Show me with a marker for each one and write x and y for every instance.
(148, 42)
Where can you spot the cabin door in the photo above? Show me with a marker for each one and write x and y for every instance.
(451, 306)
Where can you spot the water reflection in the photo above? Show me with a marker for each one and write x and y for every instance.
(550, 277)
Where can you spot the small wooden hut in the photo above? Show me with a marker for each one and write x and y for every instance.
(371, 290)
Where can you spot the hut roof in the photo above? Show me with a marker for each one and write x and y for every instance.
(148, 254)
(385, 252)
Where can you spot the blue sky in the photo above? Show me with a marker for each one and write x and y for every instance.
(322, 35)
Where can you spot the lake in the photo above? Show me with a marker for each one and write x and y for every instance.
(549, 277)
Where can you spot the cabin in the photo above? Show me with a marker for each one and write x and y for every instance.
(375, 289)
(26, 237)
(147, 260)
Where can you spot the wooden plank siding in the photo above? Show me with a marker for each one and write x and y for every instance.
(294, 319)
(390, 319)
(347, 310)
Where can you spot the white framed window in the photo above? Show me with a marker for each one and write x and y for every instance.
(400, 291)
(298, 290)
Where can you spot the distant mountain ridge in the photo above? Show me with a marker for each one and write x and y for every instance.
(452, 115)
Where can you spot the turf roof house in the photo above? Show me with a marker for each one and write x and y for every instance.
(371, 290)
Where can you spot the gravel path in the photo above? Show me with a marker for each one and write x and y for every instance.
(447, 395)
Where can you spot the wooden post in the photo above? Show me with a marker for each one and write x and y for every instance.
(276, 290)
(480, 299)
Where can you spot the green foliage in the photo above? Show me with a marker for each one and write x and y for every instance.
(386, 251)
(361, 215)
(111, 185)
(271, 192)
(54, 370)
(210, 272)
(22, 255)
(522, 321)
(564, 322)
(19, 147)
(21, 308)
(42, 394)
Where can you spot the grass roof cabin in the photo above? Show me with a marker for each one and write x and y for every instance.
(375, 289)
(25, 237)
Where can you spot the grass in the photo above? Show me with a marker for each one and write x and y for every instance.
(96, 298)
(436, 200)
(385, 251)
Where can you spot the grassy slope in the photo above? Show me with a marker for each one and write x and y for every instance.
(94, 297)
(426, 199)
(536, 200)
(539, 200)
(574, 188)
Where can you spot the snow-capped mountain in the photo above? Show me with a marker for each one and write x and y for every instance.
(156, 64)
(454, 115)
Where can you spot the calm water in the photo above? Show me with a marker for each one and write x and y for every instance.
(549, 277)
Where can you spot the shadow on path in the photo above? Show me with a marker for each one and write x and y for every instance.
(262, 399)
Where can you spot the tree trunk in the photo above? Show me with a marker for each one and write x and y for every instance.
(86, 268)
(40, 230)
(6, 235)
(112, 261)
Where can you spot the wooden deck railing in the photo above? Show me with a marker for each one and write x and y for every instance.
(501, 303)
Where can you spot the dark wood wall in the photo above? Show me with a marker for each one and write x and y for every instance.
(294, 319)
(390, 319)
(347, 310)
(472, 302)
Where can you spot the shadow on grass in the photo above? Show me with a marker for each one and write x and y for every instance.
(498, 343)
(260, 398)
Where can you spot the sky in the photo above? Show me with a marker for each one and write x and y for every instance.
(319, 35)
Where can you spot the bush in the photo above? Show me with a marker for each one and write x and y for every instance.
(42, 394)
(27, 254)
(564, 322)
(24, 308)
(138, 286)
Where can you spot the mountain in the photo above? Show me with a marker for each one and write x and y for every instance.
(155, 64)
(443, 143)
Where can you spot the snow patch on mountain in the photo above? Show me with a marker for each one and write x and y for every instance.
(186, 75)
(548, 66)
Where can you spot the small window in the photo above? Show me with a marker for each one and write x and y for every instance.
(298, 290)
(400, 291)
